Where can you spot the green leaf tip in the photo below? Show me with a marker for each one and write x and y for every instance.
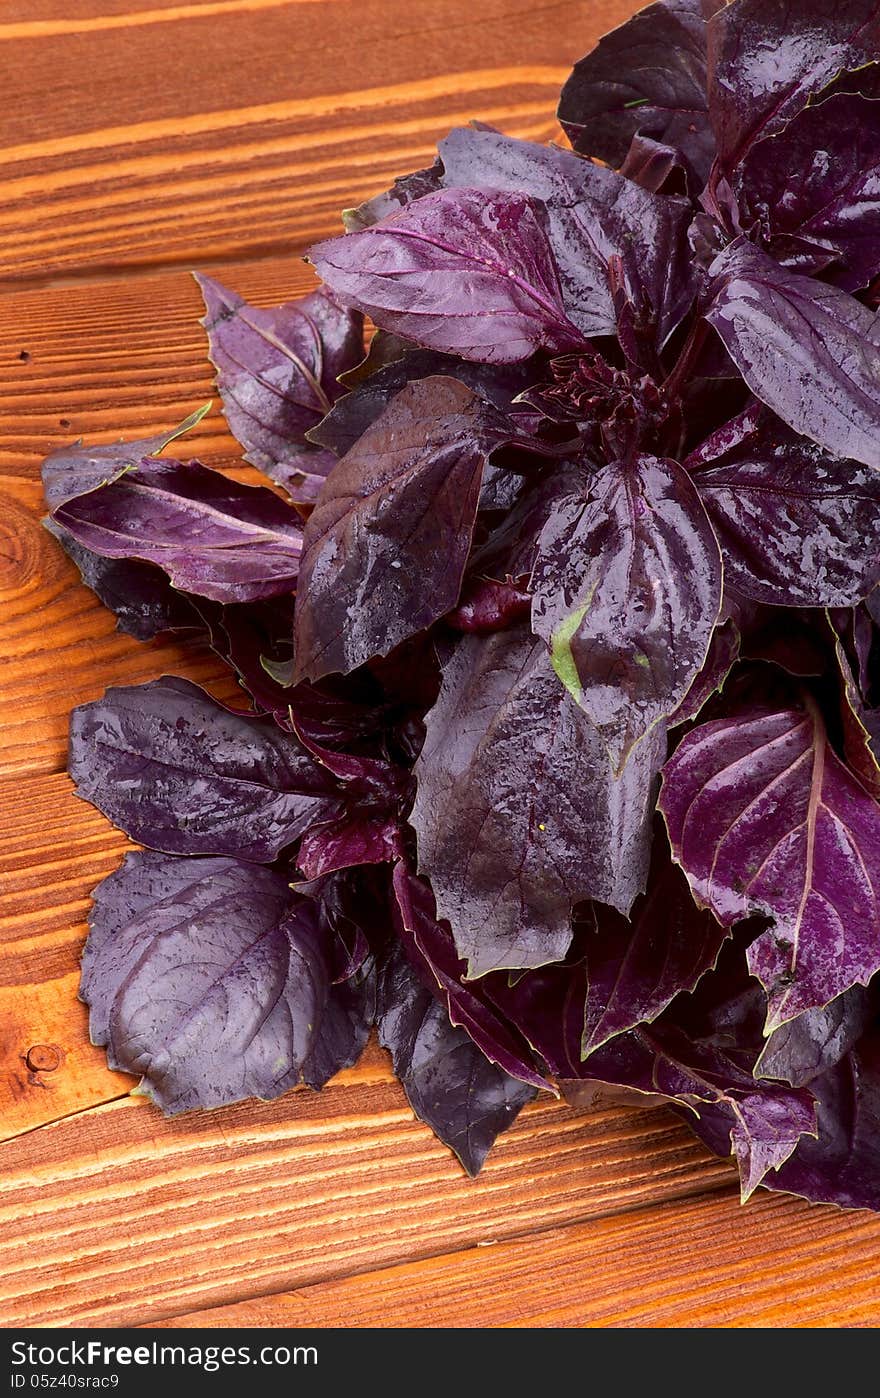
(560, 651)
(186, 426)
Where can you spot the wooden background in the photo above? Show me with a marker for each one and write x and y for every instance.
(141, 138)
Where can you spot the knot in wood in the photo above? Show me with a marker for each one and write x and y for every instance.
(20, 545)
(43, 1058)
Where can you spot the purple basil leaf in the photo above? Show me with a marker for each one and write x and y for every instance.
(139, 594)
(818, 181)
(464, 271)
(206, 976)
(859, 728)
(548, 1006)
(626, 592)
(807, 350)
(647, 76)
(619, 973)
(466, 1100)
(764, 1130)
(394, 526)
(350, 417)
(178, 772)
(636, 967)
(343, 1027)
(277, 373)
(860, 82)
(335, 716)
(357, 410)
(376, 789)
(797, 527)
(405, 189)
(706, 238)
(361, 838)
(746, 429)
(764, 818)
(516, 812)
(357, 730)
(212, 536)
(843, 1165)
(724, 649)
(383, 350)
(429, 946)
(701, 1053)
(509, 550)
(592, 216)
(256, 639)
(812, 1044)
(654, 166)
(73, 471)
(486, 606)
(768, 57)
(353, 908)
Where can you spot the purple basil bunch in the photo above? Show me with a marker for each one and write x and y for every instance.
(564, 765)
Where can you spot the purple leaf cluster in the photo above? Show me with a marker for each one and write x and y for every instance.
(558, 756)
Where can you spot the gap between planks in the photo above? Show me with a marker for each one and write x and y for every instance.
(97, 275)
(273, 1309)
(263, 1197)
(691, 1263)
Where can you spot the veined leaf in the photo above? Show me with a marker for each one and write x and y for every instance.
(764, 818)
(809, 351)
(386, 547)
(180, 773)
(464, 271)
(517, 813)
(647, 76)
(626, 592)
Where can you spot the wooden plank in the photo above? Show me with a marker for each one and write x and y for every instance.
(701, 1263)
(120, 1216)
(120, 149)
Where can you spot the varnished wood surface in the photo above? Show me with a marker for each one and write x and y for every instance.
(692, 1262)
(181, 133)
(139, 138)
(118, 1214)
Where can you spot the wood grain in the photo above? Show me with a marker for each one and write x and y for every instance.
(165, 134)
(221, 1206)
(699, 1263)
